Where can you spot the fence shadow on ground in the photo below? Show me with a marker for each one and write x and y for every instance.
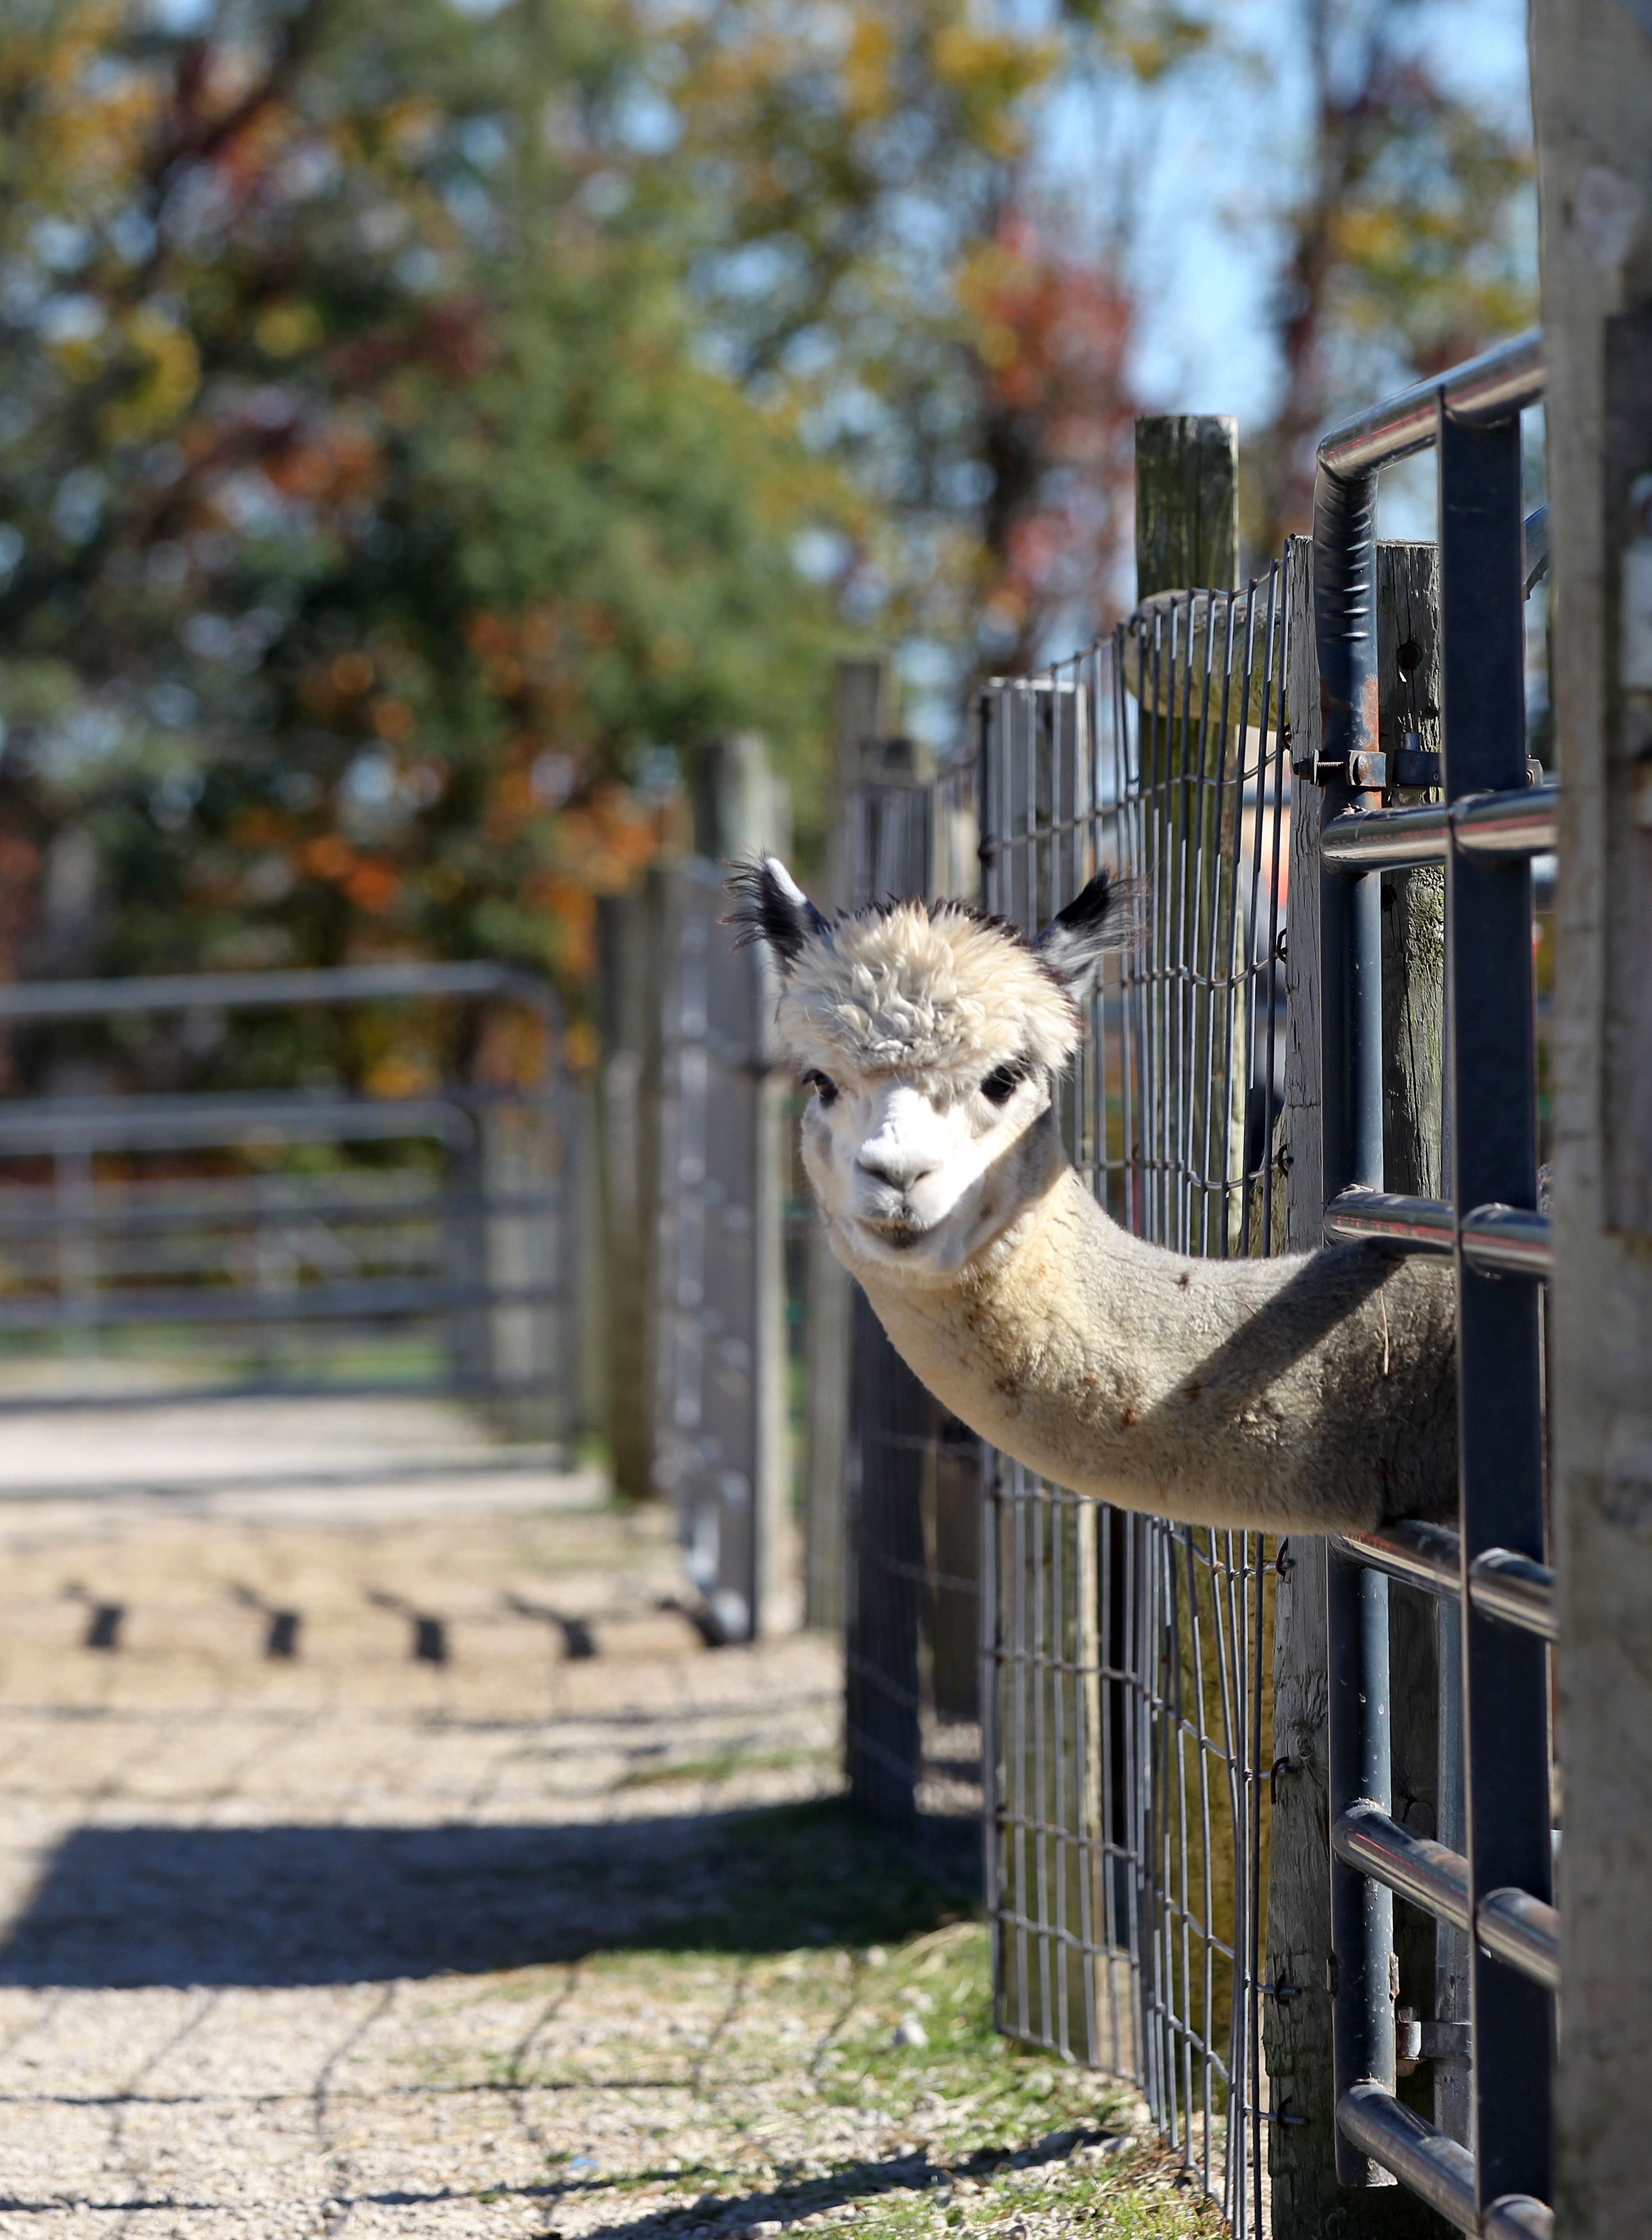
(122, 1908)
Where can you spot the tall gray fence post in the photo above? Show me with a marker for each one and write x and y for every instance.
(1592, 79)
(1424, 1646)
(860, 698)
(1296, 2011)
(1307, 2200)
(1187, 538)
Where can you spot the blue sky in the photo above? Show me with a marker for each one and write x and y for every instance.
(1215, 156)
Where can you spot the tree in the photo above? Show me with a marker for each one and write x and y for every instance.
(370, 522)
(878, 249)
(1410, 241)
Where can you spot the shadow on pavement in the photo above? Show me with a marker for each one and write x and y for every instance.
(124, 1907)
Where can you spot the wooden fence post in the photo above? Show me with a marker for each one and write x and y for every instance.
(1592, 78)
(1296, 2022)
(1187, 538)
(628, 1132)
(1186, 508)
(1308, 2204)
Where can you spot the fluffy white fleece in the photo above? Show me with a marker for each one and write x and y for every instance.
(938, 992)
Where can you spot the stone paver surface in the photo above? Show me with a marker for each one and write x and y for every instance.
(494, 1902)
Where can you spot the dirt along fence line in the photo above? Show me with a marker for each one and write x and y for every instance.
(392, 1854)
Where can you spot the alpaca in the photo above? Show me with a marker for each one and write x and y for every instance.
(1314, 1393)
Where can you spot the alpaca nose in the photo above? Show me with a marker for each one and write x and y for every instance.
(897, 1166)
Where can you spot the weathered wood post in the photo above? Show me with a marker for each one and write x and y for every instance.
(1592, 72)
(1187, 506)
(628, 1094)
(1307, 2201)
(1187, 538)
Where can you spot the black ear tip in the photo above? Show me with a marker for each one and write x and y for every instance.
(766, 905)
(1076, 939)
(1090, 905)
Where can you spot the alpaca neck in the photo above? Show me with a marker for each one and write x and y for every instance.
(1254, 1393)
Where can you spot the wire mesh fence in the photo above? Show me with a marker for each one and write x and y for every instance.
(1126, 1661)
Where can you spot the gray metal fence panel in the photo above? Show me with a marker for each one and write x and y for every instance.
(1126, 1660)
(288, 1242)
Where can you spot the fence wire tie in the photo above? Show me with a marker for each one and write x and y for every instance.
(1281, 2115)
(1280, 1765)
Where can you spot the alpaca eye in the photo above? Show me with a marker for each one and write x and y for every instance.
(823, 1087)
(1003, 1081)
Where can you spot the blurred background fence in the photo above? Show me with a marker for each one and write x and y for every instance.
(284, 1240)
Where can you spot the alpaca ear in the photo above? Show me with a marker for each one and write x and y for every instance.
(1074, 943)
(766, 905)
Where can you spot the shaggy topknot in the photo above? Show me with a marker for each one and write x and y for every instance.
(928, 990)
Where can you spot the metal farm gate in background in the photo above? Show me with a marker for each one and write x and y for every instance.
(287, 1242)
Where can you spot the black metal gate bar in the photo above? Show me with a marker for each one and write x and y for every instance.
(1493, 1132)
(1499, 1242)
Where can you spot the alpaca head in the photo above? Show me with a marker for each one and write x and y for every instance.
(930, 1036)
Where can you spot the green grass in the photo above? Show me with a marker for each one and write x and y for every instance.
(766, 2031)
(724, 1766)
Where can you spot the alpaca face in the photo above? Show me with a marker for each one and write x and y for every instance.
(919, 1174)
(928, 1036)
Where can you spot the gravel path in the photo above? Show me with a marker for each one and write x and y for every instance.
(492, 1902)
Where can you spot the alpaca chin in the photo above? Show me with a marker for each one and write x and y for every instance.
(993, 1219)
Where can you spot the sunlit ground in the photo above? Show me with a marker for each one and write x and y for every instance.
(501, 1905)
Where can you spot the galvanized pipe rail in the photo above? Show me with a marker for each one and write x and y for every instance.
(1509, 1587)
(1519, 1928)
(1497, 1240)
(1486, 824)
(1489, 825)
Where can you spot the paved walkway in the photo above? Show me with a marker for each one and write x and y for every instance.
(391, 1855)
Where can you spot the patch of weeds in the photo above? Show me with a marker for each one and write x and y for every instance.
(724, 1766)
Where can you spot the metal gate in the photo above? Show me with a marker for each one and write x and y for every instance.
(287, 1242)
(1125, 1659)
(1491, 822)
